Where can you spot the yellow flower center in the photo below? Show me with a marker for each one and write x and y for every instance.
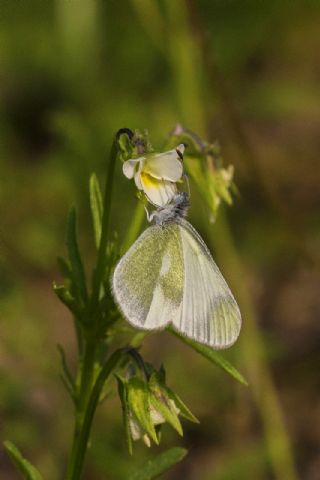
(149, 181)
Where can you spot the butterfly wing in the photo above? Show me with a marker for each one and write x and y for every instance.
(148, 280)
(209, 312)
(169, 276)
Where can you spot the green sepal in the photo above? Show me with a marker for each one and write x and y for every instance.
(183, 409)
(160, 401)
(77, 271)
(212, 185)
(219, 184)
(28, 471)
(139, 405)
(96, 207)
(159, 464)
(126, 147)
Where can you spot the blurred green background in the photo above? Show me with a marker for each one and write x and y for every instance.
(244, 72)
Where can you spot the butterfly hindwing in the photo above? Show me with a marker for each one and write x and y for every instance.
(209, 312)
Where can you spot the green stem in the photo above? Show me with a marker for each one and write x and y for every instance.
(89, 394)
(86, 379)
(86, 415)
(87, 373)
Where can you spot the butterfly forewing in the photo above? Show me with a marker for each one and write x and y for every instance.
(148, 280)
(209, 312)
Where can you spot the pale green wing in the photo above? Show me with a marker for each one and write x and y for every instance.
(148, 280)
(209, 312)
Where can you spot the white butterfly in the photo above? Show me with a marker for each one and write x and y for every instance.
(168, 276)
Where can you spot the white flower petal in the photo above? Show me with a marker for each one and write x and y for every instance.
(135, 428)
(174, 406)
(137, 181)
(130, 166)
(156, 417)
(165, 166)
(158, 192)
(146, 440)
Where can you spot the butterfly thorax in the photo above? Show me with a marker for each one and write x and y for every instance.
(176, 209)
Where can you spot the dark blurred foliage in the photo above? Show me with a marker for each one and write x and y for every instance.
(71, 74)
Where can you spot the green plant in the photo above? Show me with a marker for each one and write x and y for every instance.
(147, 402)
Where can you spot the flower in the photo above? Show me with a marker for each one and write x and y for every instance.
(147, 403)
(156, 174)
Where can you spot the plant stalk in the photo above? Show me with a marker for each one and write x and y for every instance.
(85, 415)
(89, 390)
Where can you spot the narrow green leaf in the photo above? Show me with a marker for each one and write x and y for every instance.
(67, 377)
(28, 471)
(68, 388)
(159, 464)
(78, 275)
(168, 413)
(96, 207)
(213, 356)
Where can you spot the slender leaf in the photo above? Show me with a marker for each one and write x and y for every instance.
(213, 356)
(28, 471)
(78, 275)
(96, 207)
(160, 464)
(67, 376)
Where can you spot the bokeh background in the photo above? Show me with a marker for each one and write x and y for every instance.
(244, 72)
